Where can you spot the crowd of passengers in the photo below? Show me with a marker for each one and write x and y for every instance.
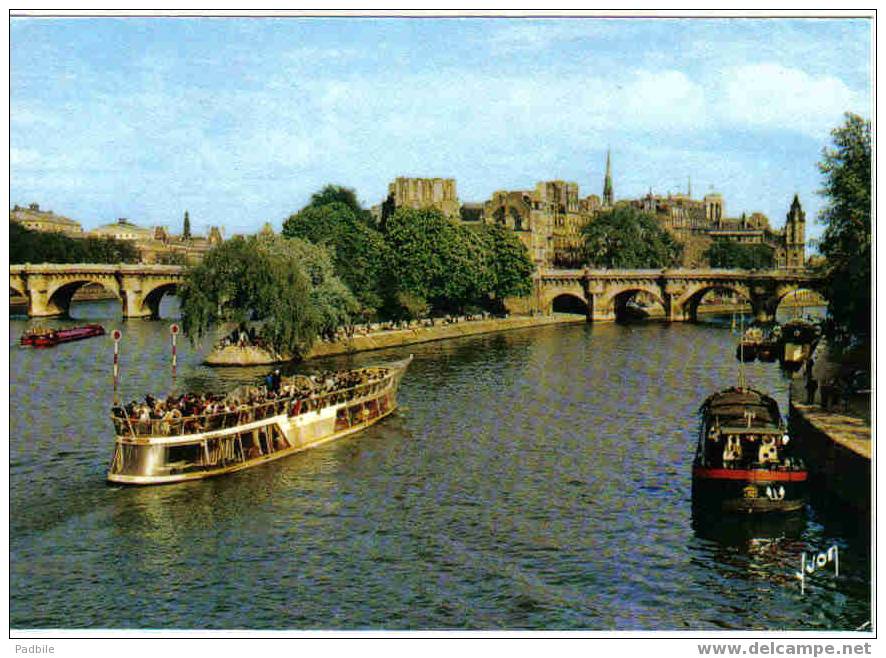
(245, 399)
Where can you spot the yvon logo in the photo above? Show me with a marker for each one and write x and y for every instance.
(817, 561)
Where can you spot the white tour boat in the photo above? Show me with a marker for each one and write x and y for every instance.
(176, 448)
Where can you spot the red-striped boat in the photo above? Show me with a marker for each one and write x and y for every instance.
(745, 460)
(45, 337)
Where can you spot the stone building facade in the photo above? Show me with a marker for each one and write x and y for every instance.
(158, 245)
(548, 218)
(45, 220)
(154, 245)
(439, 193)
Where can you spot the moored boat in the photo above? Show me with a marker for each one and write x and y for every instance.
(306, 413)
(798, 340)
(45, 337)
(744, 460)
(768, 347)
(749, 343)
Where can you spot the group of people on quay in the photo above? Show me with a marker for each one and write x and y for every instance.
(197, 412)
(242, 336)
(349, 331)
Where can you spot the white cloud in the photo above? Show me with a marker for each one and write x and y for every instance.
(536, 35)
(776, 97)
(23, 157)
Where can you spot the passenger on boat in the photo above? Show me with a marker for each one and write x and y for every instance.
(768, 452)
(732, 452)
(251, 399)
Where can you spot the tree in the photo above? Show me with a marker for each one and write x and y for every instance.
(340, 194)
(625, 237)
(186, 229)
(358, 250)
(846, 242)
(28, 246)
(509, 261)
(727, 254)
(333, 302)
(278, 282)
(436, 260)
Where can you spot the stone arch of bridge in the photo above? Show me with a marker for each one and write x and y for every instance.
(787, 290)
(148, 304)
(616, 299)
(16, 286)
(60, 292)
(571, 302)
(564, 294)
(686, 304)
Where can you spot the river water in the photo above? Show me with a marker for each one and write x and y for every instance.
(535, 479)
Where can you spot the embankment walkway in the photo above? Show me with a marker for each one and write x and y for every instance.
(251, 356)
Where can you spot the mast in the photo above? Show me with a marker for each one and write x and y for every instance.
(741, 380)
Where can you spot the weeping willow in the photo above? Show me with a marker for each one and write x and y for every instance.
(286, 285)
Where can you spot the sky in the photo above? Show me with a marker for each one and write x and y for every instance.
(239, 121)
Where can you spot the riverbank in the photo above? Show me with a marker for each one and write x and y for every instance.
(836, 436)
(251, 356)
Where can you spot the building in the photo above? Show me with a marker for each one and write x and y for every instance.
(549, 219)
(158, 245)
(45, 220)
(421, 193)
(794, 237)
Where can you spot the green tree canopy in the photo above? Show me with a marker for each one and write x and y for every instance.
(285, 284)
(332, 301)
(434, 259)
(509, 262)
(625, 237)
(340, 194)
(358, 250)
(727, 254)
(846, 242)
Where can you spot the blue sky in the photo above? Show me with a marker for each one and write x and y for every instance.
(240, 121)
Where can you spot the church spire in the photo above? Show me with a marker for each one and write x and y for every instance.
(607, 182)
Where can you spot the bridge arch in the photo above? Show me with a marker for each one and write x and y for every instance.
(797, 295)
(687, 304)
(152, 298)
(58, 297)
(570, 302)
(615, 301)
(16, 287)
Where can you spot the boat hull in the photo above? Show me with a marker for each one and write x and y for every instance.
(746, 353)
(767, 352)
(62, 336)
(748, 491)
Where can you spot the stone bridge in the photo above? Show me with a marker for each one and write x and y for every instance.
(604, 294)
(49, 287)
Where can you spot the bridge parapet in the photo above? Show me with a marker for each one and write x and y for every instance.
(49, 287)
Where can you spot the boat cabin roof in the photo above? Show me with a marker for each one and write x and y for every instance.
(729, 407)
(743, 429)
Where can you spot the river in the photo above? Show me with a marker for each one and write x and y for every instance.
(535, 479)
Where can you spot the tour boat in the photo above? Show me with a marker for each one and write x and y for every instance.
(177, 448)
(45, 337)
(744, 461)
